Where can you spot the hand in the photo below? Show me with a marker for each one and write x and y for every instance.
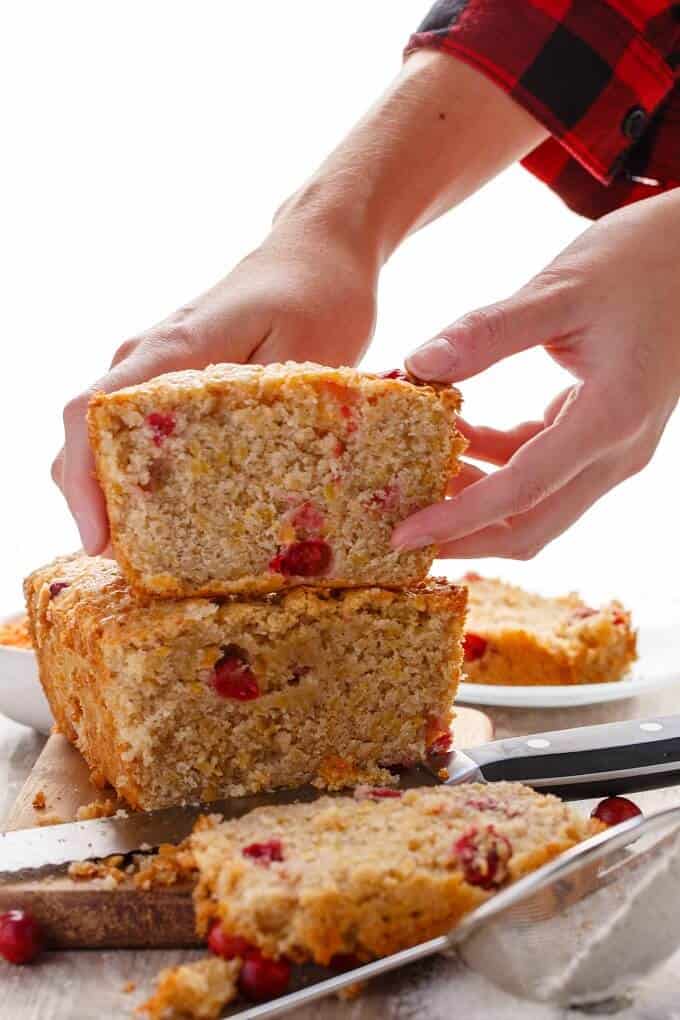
(607, 310)
(308, 294)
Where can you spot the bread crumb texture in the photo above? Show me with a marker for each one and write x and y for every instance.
(367, 876)
(193, 991)
(255, 478)
(204, 698)
(516, 637)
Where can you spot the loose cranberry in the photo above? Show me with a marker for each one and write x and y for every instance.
(265, 853)
(615, 810)
(56, 587)
(483, 856)
(342, 962)
(308, 519)
(262, 979)
(161, 425)
(474, 647)
(376, 793)
(310, 558)
(227, 946)
(21, 938)
(232, 677)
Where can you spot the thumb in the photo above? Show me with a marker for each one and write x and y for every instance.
(534, 315)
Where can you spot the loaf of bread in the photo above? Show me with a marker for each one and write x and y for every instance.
(515, 637)
(249, 478)
(368, 875)
(201, 698)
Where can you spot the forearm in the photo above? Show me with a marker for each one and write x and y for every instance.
(439, 132)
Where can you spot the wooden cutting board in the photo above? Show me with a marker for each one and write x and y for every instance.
(86, 914)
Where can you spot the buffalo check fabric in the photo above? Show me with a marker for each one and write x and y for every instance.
(600, 75)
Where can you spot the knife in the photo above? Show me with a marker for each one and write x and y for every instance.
(587, 761)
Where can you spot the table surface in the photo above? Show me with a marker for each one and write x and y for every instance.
(88, 985)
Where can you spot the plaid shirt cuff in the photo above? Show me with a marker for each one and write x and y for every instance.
(593, 72)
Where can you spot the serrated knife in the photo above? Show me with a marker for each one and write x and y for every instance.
(587, 761)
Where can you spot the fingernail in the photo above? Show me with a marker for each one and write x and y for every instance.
(434, 360)
(411, 544)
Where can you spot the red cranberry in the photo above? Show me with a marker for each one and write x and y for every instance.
(161, 425)
(303, 559)
(232, 677)
(56, 587)
(376, 793)
(441, 744)
(21, 938)
(615, 810)
(472, 575)
(263, 979)
(474, 647)
(394, 373)
(342, 962)
(265, 853)
(483, 856)
(619, 619)
(308, 519)
(227, 946)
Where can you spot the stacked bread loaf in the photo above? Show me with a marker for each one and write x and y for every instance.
(258, 630)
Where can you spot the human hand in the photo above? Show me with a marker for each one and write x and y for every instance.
(608, 310)
(307, 294)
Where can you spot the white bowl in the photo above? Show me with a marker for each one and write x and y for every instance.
(21, 696)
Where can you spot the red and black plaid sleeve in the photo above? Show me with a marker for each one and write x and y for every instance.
(599, 74)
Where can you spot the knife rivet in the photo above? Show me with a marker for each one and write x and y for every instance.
(651, 727)
(538, 742)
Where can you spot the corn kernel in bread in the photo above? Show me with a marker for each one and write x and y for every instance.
(514, 637)
(243, 478)
(372, 875)
(197, 990)
(201, 699)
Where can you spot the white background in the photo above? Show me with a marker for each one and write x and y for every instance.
(146, 146)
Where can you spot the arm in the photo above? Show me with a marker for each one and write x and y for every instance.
(308, 292)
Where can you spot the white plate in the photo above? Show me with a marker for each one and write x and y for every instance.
(658, 666)
(21, 696)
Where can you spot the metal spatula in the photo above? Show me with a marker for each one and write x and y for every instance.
(582, 929)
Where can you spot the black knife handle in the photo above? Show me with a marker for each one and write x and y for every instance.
(588, 761)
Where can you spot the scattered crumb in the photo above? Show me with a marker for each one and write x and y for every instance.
(196, 990)
(50, 820)
(170, 865)
(129, 987)
(96, 809)
(39, 801)
(108, 870)
(16, 634)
